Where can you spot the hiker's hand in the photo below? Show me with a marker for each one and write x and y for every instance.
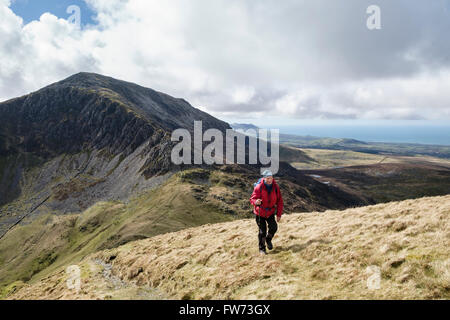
(258, 202)
(278, 219)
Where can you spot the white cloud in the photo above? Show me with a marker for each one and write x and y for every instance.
(40, 52)
(242, 95)
(247, 58)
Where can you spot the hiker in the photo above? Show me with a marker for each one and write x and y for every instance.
(266, 198)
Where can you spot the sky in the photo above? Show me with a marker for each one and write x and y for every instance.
(30, 10)
(266, 61)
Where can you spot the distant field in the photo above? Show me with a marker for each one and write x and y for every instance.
(377, 148)
(378, 178)
(386, 182)
(330, 159)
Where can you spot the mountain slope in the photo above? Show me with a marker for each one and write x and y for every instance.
(85, 139)
(85, 165)
(189, 198)
(92, 138)
(319, 255)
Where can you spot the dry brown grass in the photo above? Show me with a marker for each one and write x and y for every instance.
(326, 159)
(316, 256)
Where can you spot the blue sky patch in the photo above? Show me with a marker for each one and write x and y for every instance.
(31, 10)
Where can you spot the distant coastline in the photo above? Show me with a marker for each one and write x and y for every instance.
(420, 134)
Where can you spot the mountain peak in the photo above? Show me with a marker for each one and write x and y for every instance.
(159, 108)
(89, 110)
(91, 80)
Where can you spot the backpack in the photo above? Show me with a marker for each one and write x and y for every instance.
(256, 183)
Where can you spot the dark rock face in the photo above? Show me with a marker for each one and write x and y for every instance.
(158, 108)
(106, 137)
(89, 111)
(50, 123)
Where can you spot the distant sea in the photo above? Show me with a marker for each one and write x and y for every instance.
(422, 132)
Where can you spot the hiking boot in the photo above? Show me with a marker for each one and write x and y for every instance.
(269, 244)
(262, 252)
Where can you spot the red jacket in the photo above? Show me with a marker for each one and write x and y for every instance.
(269, 202)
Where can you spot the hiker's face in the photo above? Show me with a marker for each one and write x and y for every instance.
(269, 180)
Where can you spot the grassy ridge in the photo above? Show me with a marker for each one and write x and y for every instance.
(189, 198)
(317, 255)
(51, 241)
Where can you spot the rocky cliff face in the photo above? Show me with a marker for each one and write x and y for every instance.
(84, 139)
(89, 111)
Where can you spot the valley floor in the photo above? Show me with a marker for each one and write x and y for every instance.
(332, 159)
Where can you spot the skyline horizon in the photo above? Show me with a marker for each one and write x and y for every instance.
(424, 132)
(437, 132)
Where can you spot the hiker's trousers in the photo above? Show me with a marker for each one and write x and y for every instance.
(263, 234)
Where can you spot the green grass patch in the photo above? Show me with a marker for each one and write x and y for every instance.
(50, 242)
